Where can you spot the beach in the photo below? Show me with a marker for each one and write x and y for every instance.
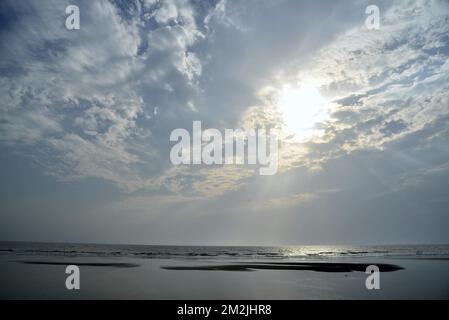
(42, 276)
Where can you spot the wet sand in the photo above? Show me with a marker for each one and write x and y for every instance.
(78, 263)
(35, 277)
(310, 266)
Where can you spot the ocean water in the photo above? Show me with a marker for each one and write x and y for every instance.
(31, 270)
(222, 252)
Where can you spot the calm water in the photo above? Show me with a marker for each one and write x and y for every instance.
(171, 272)
(144, 251)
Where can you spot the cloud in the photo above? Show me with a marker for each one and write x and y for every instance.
(382, 86)
(87, 99)
(291, 201)
(83, 94)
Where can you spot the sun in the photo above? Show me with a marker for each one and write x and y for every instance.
(302, 108)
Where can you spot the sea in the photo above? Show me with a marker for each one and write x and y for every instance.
(222, 252)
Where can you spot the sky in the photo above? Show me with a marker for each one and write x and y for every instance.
(362, 116)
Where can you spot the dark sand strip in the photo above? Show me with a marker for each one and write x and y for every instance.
(87, 264)
(308, 266)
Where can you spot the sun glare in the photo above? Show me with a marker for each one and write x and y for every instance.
(302, 108)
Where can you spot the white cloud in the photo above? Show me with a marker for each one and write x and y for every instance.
(83, 93)
(90, 95)
(382, 85)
